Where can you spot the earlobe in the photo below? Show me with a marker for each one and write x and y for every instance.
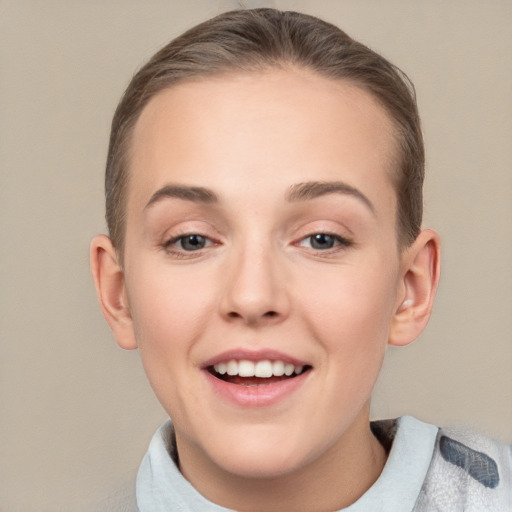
(110, 287)
(419, 279)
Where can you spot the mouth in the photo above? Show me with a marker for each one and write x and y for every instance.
(256, 373)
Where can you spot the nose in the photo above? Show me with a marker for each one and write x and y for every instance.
(256, 291)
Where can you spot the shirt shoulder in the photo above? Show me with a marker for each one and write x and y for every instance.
(468, 472)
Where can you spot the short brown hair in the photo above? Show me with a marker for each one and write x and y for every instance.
(258, 39)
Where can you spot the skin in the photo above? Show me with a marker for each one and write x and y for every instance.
(260, 283)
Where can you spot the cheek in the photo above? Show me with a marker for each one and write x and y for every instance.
(169, 309)
(350, 309)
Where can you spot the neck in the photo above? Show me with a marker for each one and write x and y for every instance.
(334, 481)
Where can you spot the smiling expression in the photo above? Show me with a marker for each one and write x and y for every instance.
(262, 269)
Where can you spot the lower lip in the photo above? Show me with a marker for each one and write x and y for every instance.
(263, 395)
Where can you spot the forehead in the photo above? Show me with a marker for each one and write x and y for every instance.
(275, 126)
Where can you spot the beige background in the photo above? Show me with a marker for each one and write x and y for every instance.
(76, 412)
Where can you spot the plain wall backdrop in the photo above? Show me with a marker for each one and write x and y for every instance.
(76, 412)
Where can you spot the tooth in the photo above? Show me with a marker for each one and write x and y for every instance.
(278, 368)
(246, 368)
(232, 367)
(220, 368)
(263, 369)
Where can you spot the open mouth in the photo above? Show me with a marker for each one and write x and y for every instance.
(256, 373)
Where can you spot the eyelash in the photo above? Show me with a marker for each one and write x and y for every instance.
(339, 242)
(182, 252)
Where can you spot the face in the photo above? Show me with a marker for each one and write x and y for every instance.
(261, 264)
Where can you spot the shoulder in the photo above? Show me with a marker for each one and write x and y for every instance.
(468, 472)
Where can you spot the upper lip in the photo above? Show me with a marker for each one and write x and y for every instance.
(253, 355)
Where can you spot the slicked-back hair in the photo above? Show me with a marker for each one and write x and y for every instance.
(252, 40)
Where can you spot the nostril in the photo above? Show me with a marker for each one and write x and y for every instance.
(268, 315)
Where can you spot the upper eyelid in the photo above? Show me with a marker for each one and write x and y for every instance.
(295, 233)
(305, 232)
(176, 238)
(318, 221)
(343, 239)
(178, 232)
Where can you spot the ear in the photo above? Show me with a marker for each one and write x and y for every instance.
(419, 279)
(110, 287)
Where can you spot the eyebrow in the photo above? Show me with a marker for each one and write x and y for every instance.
(296, 193)
(194, 194)
(313, 189)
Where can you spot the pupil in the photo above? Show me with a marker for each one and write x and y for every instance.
(193, 242)
(322, 241)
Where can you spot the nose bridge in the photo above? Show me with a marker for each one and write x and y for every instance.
(255, 286)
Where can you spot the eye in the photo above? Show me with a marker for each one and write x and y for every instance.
(323, 241)
(192, 242)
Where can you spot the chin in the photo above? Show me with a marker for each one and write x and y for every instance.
(269, 465)
(263, 454)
